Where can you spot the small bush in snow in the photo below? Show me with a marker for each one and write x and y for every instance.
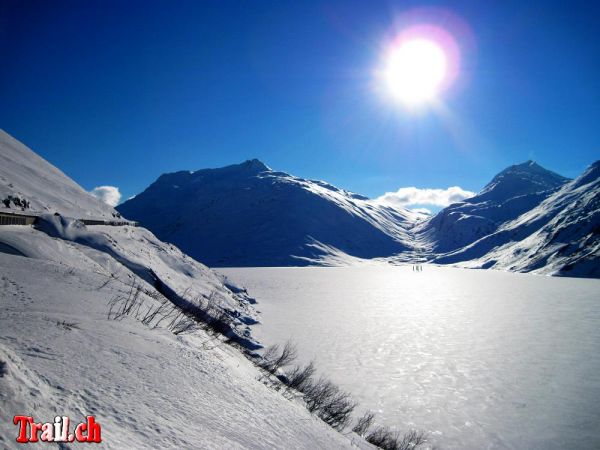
(121, 305)
(298, 377)
(210, 312)
(328, 402)
(364, 423)
(177, 320)
(67, 325)
(182, 322)
(274, 358)
(386, 439)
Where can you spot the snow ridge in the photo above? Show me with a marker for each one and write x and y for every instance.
(512, 192)
(248, 214)
(560, 236)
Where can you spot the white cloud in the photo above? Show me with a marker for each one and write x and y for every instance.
(108, 194)
(436, 197)
(421, 210)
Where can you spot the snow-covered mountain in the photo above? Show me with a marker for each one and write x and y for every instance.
(250, 215)
(39, 187)
(561, 235)
(61, 354)
(512, 192)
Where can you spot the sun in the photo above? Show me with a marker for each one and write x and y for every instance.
(416, 70)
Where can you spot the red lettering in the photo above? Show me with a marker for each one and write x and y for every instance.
(79, 430)
(93, 430)
(35, 429)
(22, 421)
(88, 431)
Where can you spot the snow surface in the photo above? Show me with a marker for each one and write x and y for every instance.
(126, 253)
(146, 387)
(480, 359)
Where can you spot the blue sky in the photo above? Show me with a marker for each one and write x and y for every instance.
(116, 93)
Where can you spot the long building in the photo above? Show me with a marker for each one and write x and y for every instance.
(14, 218)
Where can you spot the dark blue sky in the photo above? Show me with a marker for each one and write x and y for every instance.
(116, 93)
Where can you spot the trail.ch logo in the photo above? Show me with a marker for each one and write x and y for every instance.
(57, 431)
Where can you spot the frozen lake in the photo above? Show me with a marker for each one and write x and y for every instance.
(480, 359)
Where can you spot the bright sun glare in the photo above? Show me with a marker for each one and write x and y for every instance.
(415, 71)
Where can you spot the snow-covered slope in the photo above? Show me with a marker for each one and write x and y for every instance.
(561, 235)
(250, 215)
(146, 387)
(27, 176)
(512, 192)
(61, 354)
(132, 250)
(130, 253)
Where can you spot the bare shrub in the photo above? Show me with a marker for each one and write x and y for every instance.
(413, 440)
(298, 377)
(210, 313)
(328, 402)
(182, 323)
(67, 325)
(219, 320)
(178, 320)
(386, 439)
(274, 359)
(158, 313)
(364, 423)
(270, 354)
(121, 306)
(109, 278)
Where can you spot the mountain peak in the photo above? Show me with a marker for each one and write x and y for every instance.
(256, 164)
(529, 165)
(250, 165)
(519, 179)
(591, 174)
